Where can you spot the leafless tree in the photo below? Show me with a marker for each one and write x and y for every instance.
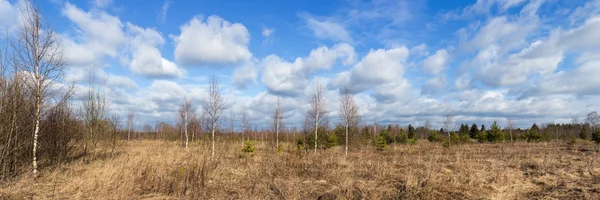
(317, 109)
(38, 51)
(94, 114)
(510, 125)
(130, 116)
(243, 124)
(348, 113)
(592, 118)
(115, 121)
(427, 127)
(213, 108)
(186, 113)
(277, 121)
(448, 126)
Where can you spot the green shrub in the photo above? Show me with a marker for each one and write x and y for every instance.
(583, 134)
(495, 134)
(596, 137)
(533, 134)
(332, 140)
(380, 143)
(402, 137)
(434, 136)
(481, 136)
(249, 147)
(572, 141)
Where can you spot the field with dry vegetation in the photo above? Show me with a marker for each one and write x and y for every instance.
(151, 169)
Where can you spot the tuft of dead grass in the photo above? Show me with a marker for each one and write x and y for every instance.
(162, 170)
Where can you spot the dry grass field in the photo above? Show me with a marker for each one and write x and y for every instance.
(163, 170)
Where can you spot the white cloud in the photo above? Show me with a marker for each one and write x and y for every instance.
(245, 75)
(436, 63)
(267, 32)
(289, 78)
(162, 16)
(9, 16)
(146, 58)
(98, 35)
(378, 67)
(212, 41)
(102, 3)
(327, 29)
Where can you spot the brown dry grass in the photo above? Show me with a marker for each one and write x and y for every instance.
(162, 170)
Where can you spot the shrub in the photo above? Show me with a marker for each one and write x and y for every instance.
(572, 141)
(332, 140)
(402, 137)
(495, 134)
(434, 136)
(596, 137)
(533, 134)
(481, 136)
(583, 133)
(249, 147)
(300, 145)
(380, 143)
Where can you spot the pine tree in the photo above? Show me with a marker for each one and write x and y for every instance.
(596, 136)
(583, 133)
(495, 134)
(380, 143)
(474, 130)
(411, 132)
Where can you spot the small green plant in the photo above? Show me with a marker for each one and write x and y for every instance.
(249, 147)
(596, 137)
(380, 143)
(434, 136)
(279, 148)
(572, 141)
(583, 134)
(300, 146)
(332, 140)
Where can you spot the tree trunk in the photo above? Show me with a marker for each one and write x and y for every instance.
(316, 128)
(213, 140)
(346, 138)
(37, 129)
(185, 130)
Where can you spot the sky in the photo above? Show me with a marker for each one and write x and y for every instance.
(405, 61)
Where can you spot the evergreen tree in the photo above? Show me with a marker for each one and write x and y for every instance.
(495, 134)
(583, 133)
(596, 136)
(380, 143)
(533, 135)
(482, 128)
(411, 132)
(474, 130)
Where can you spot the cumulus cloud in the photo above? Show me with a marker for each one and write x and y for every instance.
(437, 62)
(245, 75)
(99, 35)
(211, 40)
(378, 67)
(326, 29)
(290, 78)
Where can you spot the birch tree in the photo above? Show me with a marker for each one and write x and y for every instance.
(37, 50)
(213, 109)
(317, 109)
(243, 124)
(130, 116)
(186, 113)
(277, 121)
(510, 125)
(348, 113)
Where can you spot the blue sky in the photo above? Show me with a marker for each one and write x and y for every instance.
(406, 61)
